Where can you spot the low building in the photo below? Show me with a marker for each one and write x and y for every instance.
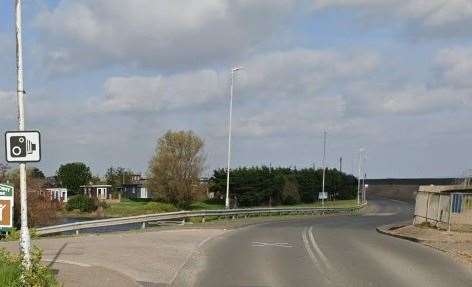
(136, 188)
(98, 191)
(59, 194)
(444, 205)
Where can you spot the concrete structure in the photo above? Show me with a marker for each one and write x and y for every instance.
(444, 205)
(99, 191)
(57, 194)
(136, 188)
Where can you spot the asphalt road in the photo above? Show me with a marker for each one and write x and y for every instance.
(327, 251)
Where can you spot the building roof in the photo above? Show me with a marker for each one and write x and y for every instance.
(445, 188)
(96, 185)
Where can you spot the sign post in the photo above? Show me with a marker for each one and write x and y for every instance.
(6, 207)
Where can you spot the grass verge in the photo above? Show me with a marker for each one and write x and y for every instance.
(11, 271)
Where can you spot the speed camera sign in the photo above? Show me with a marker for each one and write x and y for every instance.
(23, 146)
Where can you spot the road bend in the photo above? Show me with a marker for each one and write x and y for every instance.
(324, 251)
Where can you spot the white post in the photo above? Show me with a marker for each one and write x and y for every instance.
(25, 236)
(359, 178)
(229, 135)
(324, 168)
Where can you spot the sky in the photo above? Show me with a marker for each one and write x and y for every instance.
(106, 78)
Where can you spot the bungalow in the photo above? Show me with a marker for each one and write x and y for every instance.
(56, 194)
(136, 188)
(99, 191)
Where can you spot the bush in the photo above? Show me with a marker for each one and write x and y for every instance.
(11, 271)
(83, 203)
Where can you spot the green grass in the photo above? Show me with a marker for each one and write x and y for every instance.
(201, 205)
(129, 208)
(338, 203)
(9, 274)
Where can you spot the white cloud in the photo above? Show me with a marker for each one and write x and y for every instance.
(454, 66)
(7, 105)
(294, 75)
(161, 92)
(370, 99)
(155, 33)
(444, 18)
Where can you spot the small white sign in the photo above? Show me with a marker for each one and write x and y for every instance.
(323, 195)
(23, 146)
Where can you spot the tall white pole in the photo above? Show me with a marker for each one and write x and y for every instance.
(359, 178)
(324, 168)
(229, 135)
(25, 236)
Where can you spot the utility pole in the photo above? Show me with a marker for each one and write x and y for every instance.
(229, 134)
(24, 232)
(359, 177)
(341, 164)
(324, 168)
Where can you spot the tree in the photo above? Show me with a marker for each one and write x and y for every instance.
(73, 175)
(289, 193)
(176, 167)
(118, 176)
(3, 171)
(37, 173)
(41, 209)
(255, 186)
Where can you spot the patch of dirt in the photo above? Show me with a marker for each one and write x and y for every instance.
(456, 244)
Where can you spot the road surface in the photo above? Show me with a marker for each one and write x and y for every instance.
(327, 251)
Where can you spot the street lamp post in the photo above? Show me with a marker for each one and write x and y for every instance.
(359, 177)
(233, 71)
(24, 232)
(324, 169)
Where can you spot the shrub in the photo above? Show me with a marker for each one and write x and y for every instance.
(83, 203)
(11, 271)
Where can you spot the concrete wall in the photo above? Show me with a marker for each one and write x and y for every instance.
(432, 208)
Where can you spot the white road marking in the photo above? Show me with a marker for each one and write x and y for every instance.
(310, 252)
(274, 244)
(67, 262)
(381, 214)
(317, 248)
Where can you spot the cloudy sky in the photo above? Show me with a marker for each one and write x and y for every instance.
(106, 78)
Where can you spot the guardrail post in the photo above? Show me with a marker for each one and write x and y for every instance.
(234, 217)
(76, 232)
(203, 219)
(183, 221)
(143, 225)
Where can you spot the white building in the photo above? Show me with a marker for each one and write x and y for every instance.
(57, 193)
